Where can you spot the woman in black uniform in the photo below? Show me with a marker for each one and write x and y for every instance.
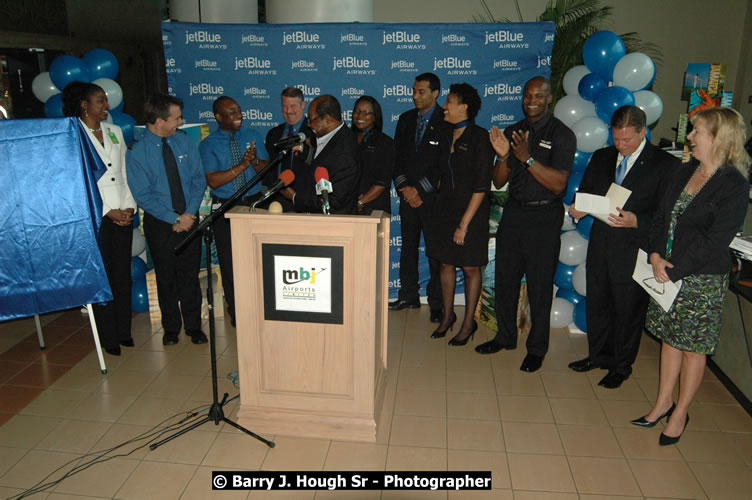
(459, 235)
(375, 156)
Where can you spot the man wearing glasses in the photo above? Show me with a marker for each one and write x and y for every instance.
(336, 150)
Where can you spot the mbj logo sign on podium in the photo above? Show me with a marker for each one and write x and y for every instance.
(303, 284)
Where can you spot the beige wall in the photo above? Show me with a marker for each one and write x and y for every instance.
(687, 31)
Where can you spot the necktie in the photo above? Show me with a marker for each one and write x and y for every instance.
(621, 170)
(173, 178)
(236, 155)
(420, 129)
(289, 134)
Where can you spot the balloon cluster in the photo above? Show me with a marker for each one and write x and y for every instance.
(610, 79)
(139, 294)
(98, 66)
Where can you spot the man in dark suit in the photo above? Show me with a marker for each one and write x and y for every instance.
(616, 304)
(336, 150)
(295, 122)
(417, 141)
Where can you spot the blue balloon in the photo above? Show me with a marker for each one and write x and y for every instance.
(569, 294)
(648, 135)
(580, 315)
(610, 137)
(118, 108)
(139, 296)
(138, 269)
(610, 100)
(591, 86)
(126, 123)
(563, 276)
(136, 221)
(581, 160)
(573, 184)
(53, 108)
(585, 225)
(601, 52)
(65, 69)
(101, 63)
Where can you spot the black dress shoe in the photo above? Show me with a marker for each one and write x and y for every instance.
(436, 315)
(583, 365)
(170, 338)
(612, 380)
(401, 304)
(531, 363)
(127, 343)
(456, 341)
(491, 347)
(665, 440)
(437, 334)
(198, 337)
(643, 422)
(115, 351)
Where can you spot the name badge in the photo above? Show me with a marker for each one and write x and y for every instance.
(433, 143)
(113, 137)
(462, 147)
(545, 144)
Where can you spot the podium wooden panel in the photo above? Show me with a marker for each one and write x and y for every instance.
(305, 378)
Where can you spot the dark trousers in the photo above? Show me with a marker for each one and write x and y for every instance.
(178, 288)
(114, 318)
(413, 222)
(223, 242)
(527, 243)
(616, 308)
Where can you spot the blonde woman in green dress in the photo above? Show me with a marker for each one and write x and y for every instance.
(698, 217)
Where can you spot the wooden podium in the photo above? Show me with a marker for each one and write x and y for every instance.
(311, 311)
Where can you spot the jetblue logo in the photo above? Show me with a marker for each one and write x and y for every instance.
(451, 63)
(350, 62)
(395, 118)
(502, 118)
(252, 63)
(505, 91)
(303, 39)
(454, 39)
(398, 90)
(202, 37)
(395, 241)
(403, 40)
(253, 39)
(507, 65)
(403, 65)
(206, 65)
(544, 61)
(507, 39)
(309, 91)
(549, 38)
(352, 39)
(256, 92)
(304, 65)
(352, 91)
(170, 66)
(206, 115)
(205, 88)
(257, 114)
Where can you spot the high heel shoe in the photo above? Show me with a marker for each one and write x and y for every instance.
(665, 440)
(438, 333)
(456, 341)
(643, 422)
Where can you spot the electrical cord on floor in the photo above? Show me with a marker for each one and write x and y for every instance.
(97, 457)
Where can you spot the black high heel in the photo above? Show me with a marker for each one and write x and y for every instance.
(643, 422)
(437, 334)
(665, 440)
(455, 341)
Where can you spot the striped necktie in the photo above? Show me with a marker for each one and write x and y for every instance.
(621, 170)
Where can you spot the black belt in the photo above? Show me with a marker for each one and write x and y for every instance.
(535, 203)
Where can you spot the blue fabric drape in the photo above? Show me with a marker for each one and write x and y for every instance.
(50, 211)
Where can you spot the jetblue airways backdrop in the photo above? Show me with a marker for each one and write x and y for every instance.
(253, 63)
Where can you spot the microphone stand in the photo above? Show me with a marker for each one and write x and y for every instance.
(216, 413)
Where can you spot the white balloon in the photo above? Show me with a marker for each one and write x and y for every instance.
(139, 243)
(591, 133)
(572, 108)
(572, 79)
(634, 71)
(42, 87)
(562, 313)
(568, 224)
(573, 249)
(578, 280)
(112, 89)
(650, 103)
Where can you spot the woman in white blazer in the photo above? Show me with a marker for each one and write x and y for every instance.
(88, 102)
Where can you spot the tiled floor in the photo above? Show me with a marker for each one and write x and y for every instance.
(549, 435)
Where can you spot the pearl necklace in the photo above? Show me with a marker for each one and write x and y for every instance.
(93, 131)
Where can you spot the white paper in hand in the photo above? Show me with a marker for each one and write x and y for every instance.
(663, 293)
(616, 196)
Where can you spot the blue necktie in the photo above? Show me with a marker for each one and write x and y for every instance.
(420, 129)
(621, 170)
(236, 155)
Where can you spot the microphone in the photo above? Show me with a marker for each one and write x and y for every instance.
(285, 179)
(291, 141)
(323, 187)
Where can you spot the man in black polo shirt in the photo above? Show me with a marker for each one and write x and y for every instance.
(535, 155)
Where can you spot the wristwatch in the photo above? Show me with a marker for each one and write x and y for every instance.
(529, 162)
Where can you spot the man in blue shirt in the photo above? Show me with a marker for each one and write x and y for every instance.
(226, 155)
(167, 181)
